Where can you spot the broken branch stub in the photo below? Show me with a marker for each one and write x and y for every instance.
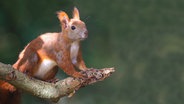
(95, 75)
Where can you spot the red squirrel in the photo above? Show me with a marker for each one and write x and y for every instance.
(42, 56)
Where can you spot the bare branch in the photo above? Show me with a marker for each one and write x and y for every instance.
(51, 91)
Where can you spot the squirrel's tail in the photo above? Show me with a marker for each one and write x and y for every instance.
(9, 94)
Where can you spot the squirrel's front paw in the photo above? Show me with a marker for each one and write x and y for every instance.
(80, 75)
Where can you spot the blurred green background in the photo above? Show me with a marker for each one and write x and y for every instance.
(142, 39)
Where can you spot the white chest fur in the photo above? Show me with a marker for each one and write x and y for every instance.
(44, 68)
(74, 52)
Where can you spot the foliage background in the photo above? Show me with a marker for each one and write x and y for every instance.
(142, 39)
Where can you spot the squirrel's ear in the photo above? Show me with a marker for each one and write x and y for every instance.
(76, 13)
(63, 17)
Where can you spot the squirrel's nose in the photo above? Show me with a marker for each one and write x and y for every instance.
(86, 33)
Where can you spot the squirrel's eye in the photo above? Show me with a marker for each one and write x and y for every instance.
(73, 27)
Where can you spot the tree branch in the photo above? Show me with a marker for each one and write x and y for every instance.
(51, 91)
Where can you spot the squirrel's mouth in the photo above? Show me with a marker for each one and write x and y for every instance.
(82, 38)
(85, 35)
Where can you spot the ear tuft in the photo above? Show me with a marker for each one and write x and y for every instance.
(62, 16)
(64, 19)
(76, 13)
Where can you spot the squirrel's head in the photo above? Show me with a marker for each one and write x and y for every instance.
(74, 28)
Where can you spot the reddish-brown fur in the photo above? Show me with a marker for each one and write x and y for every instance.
(55, 47)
